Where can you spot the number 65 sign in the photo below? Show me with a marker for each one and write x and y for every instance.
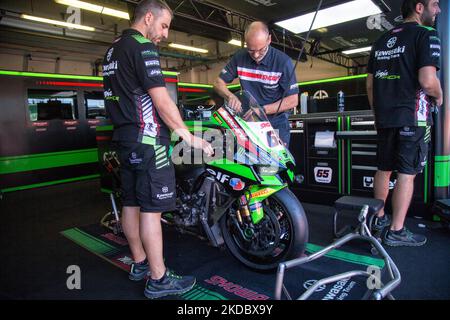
(323, 174)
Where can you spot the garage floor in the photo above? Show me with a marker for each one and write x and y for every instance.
(35, 255)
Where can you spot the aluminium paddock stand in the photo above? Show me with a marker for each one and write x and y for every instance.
(111, 220)
(111, 165)
(363, 233)
(356, 204)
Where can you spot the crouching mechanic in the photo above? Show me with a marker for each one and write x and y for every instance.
(142, 112)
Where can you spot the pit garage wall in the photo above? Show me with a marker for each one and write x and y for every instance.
(40, 153)
(348, 167)
(442, 119)
(306, 71)
(43, 152)
(18, 62)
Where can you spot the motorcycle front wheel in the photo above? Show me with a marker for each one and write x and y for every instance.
(281, 235)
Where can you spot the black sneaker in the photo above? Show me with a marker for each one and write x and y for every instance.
(169, 284)
(139, 271)
(404, 237)
(381, 223)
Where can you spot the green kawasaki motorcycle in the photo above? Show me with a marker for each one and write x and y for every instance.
(240, 196)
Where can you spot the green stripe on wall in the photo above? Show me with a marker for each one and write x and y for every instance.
(339, 119)
(104, 128)
(347, 256)
(47, 160)
(234, 86)
(168, 73)
(441, 173)
(195, 85)
(349, 161)
(50, 183)
(442, 158)
(203, 85)
(195, 99)
(63, 76)
(332, 80)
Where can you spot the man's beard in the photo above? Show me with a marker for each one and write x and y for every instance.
(427, 19)
(149, 34)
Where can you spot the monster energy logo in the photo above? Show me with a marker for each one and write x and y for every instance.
(385, 75)
(391, 77)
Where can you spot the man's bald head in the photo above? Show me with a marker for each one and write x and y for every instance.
(258, 39)
(256, 29)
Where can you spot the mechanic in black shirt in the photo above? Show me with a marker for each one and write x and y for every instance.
(402, 87)
(142, 113)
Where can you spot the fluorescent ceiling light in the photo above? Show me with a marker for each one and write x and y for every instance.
(352, 51)
(81, 4)
(188, 48)
(95, 8)
(235, 42)
(58, 23)
(334, 15)
(116, 13)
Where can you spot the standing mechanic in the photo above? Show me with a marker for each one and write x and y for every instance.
(266, 73)
(142, 112)
(402, 87)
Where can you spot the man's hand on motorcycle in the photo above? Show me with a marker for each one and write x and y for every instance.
(248, 115)
(199, 143)
(234, 103)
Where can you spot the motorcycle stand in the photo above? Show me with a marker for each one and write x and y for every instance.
(111, 220)
(356, 203)
(362, 232)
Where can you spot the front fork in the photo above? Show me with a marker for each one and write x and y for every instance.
(250, 204)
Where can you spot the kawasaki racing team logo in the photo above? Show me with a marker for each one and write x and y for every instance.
(109, 55)
(391, 42)
(309, 283)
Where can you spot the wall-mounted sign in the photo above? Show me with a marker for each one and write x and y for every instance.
(323, 174)
(320, 94)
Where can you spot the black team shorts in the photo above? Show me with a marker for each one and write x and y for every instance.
(147, 177)
(404, 149)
